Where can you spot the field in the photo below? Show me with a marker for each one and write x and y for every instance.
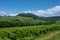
(29, 32)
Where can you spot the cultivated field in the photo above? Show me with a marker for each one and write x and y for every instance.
(30, 32)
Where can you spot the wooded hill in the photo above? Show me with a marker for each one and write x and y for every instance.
(26, 19)
(55, 18)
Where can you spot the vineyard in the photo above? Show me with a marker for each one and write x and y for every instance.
(27, 32)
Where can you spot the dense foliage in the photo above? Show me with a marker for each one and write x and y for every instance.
(29, 15)
(48, 19)
(14, 21)
(26, 33)
(25, 19)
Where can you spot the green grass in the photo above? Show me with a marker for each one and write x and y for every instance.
(26, 33)
(56, 37)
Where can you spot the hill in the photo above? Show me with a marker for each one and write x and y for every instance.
(54, 18)
(26, 19)
(14, 21)
(29, 15)
(38, 17)
(28, 27)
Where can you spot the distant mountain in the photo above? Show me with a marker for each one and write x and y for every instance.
(54, 18)
(29, 15)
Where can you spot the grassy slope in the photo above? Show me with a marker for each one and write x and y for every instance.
(26, 33)
(56, 37)
(51, 36)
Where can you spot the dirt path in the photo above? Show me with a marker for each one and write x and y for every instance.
(48, 36)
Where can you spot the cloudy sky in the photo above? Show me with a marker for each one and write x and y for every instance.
(37, 7)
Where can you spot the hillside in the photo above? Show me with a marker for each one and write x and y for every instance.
(52, 36)
(28, 32)
(29, 15)
(26, 19)
(53, 18)
(14, 21)
(26, 27)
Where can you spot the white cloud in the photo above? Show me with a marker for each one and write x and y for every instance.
(12, 14)
(29, 11)
(2, 12)
(53, 10)
(41, 11)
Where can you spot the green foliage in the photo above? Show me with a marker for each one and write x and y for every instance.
(24, 27)
(14, 21)
(26, 19)
(55, 37)
(26, 33)
(52, 19)
(29, 15)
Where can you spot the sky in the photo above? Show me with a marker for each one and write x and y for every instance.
(37, 7)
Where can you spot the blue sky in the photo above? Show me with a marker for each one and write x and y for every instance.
(38, 7)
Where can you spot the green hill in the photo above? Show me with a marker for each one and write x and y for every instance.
(29, 15)
(53, 18)
(26, 19)
(29, 27)
(14, 21)
(50, 20)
